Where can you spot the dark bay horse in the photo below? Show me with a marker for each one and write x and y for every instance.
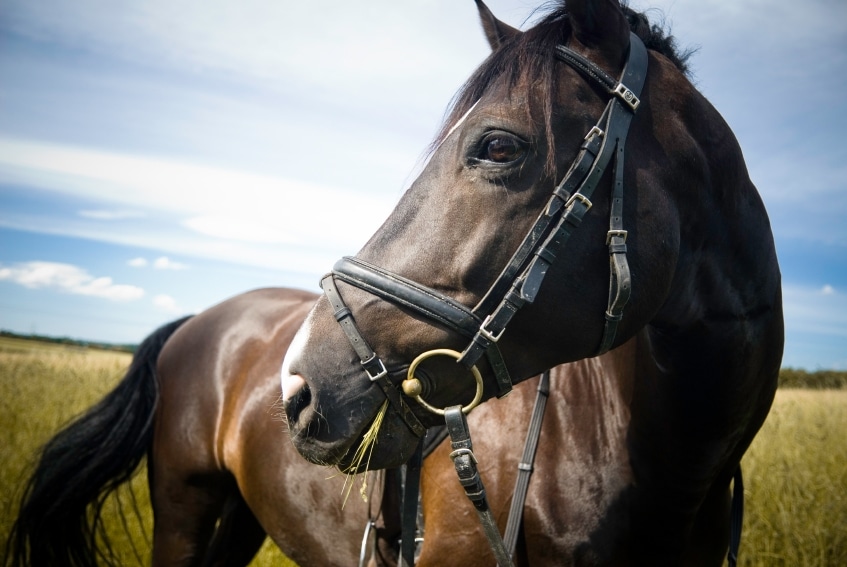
(201, 403)
(583, 195)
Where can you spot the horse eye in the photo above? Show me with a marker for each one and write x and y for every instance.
(501, 148)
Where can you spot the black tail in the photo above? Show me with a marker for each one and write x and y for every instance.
(59, 518)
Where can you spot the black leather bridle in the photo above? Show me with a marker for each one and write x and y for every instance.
(521, 279)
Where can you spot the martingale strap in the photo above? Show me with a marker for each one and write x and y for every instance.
(510, 537)
(466, 468)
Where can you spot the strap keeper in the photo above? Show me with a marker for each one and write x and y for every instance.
(614, 318)
(342, 313)
(525, 467)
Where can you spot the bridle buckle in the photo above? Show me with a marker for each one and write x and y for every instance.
(612, 233)
(581, 198)
(382, 372)
(595, 131)
(488, 334)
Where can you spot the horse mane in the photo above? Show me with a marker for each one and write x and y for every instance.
(529, 58)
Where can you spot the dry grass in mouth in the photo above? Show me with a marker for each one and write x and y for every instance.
(366, 448)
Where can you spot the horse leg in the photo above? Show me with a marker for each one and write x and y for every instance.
(238, 538)
(709, 540)
(186, 509)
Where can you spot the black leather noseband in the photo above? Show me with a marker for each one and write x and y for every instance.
(521, 279)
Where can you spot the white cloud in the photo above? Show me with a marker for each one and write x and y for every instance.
(258, 207)
(282, 43)
(68, 278)
(230, 228)
(165, 263)
(827, 290)
(167, 304)
(138, 262)
(100, 214)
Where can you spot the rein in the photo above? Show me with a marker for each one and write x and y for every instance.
(465, 462)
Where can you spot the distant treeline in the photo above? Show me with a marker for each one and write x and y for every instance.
(72, 342)
(788, 377)
(818, 380)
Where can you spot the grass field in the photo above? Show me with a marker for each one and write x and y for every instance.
(795, 472)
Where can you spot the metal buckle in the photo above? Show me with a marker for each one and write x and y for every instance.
(462, 451)
(381, 373)
(595, 131)
(487, 334)
(578, 197)
(613, 233)
(626, 95)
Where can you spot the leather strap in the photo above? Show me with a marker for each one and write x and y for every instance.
(426, 301)
(465, 463)
(510, 538)
(411, 493)
(371, 363)
(407, 293)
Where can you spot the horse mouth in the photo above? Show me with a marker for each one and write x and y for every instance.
(384, 441)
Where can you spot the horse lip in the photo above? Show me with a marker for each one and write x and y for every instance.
(317, 451)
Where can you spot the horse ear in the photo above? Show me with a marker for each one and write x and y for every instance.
(600, 24)
(496, 31)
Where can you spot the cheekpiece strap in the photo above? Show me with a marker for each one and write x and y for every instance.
(371, 363)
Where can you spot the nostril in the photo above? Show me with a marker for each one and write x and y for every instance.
(291, 384)
(296, 400)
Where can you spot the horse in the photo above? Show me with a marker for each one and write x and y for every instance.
(201, 402)
(582, 195)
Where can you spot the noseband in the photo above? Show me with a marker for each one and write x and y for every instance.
(521, 279)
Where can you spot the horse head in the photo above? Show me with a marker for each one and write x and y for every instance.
(580, 190)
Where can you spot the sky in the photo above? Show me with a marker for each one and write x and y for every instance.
(158, 157)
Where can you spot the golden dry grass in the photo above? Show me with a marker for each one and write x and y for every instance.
(44, 385)
(796, 483)
(795, 472)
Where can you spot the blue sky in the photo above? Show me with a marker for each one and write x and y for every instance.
(157, 157)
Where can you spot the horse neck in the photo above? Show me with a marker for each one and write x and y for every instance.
(724, 302)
